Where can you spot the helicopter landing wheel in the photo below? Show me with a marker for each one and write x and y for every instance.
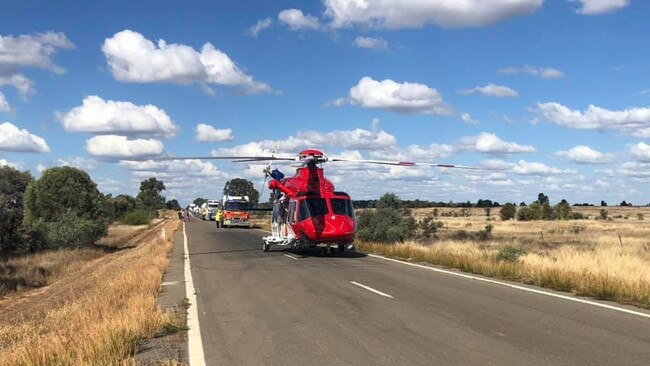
(266, 247)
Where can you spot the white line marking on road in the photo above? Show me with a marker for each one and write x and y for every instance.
(371, 289)
(169, 283)
(290, 256)
(194, 342)
(575, 299)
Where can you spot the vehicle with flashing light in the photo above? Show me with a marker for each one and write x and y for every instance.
(236, 211)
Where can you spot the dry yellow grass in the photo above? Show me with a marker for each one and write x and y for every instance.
(94, 315)
(604, 259)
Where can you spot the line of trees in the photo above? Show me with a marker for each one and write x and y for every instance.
(64, 208)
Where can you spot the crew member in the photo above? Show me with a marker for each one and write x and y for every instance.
(217, 217)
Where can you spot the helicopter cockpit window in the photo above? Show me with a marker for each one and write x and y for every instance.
(313, 207)
(342, 206)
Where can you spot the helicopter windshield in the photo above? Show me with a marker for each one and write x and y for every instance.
(313, 207)
(342, 206)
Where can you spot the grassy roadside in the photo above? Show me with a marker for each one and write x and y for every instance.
(93, 315)
(603, 273)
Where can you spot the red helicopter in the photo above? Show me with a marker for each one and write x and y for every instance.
(307, 210)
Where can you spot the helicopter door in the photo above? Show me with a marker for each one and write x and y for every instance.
(276, 220)
(292, 212)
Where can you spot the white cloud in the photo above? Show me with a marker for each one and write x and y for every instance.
(397, 97)
(207, 133)
(542, 72)
(632, 121)
(261, 25)
(597, 7)
(5, 162)
(133, 58)
(14, 139)
(534, 168)
(78, 162)
(489, 143)
(492, 90)
(396, 14)
(30, 51)
(357, 139)
(641, 152)
(582, 154)
(40, 168)
(373, 43)
(296, 20)
(99, 116)
(188, 168)
(467, 118)
(4, 105)
(114, 146)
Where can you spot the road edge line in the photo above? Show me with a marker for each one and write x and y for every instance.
(194, 340)
(368, 288)
(523, 288)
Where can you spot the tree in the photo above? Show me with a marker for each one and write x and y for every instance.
(242, 187)
(542, 199)
(149, 197)
(13, 184)
(63, 208)
(488, 210)
(173, 205)
(120, 205)
(625, 204)
(508, 211)
(563, 210)
(199, 201)
(603, 204)
(390, 200)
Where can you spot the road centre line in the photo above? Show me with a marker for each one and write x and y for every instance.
(522, 288)
(290, 256)
(371, 289)
(194, 341)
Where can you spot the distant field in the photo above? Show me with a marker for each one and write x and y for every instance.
(607, 259)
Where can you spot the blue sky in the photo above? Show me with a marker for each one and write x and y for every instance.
(555, 93)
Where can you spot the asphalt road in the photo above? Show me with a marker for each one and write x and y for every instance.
(259, 308)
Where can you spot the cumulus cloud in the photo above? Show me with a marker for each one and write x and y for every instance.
(296, 20)
(541, 72)
(489, 143)
(641, 152)
(98, 116)
(78, 162)
(357, 139)
(631, 121)
(29, 51)
(597, 7)
(396, 97)
(115, 146)
(534, 168)
(133, 58)
(14, 139)
(5, 162)
(467, 118)
(582, 154)
(396, 14)
(492, 90)
(261, 25)
(373, 43)
(207, 133)
(4, 105)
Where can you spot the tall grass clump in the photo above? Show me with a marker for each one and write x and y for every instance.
(136, 217)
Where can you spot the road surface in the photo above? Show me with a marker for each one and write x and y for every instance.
(276, 308)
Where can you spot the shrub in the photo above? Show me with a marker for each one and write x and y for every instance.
(427, 227)
(389, 223)
(13, 184)
(137, 217)
(508, 212)
(64, 208)
(510, 253)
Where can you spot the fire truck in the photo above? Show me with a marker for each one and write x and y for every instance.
(235, 211)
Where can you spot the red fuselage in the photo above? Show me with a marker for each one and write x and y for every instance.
(315, 211)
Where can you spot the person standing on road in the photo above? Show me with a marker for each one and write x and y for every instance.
(217, 217)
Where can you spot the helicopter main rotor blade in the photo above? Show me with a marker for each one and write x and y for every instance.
(405, 163)
(237, 159)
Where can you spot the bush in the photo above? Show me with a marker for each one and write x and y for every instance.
(64, 208)
(13, 184)
(508, 212)
(510, 253)
(389, 223)
(137, 217)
